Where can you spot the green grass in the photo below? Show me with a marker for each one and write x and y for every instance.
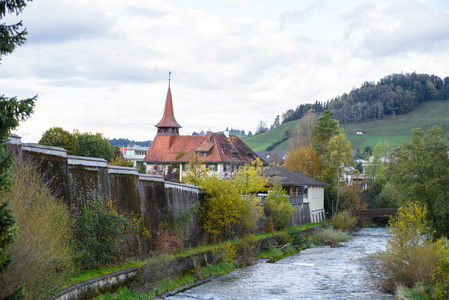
(88, 274)
(261, 141)
(392, 130)
(397, 129)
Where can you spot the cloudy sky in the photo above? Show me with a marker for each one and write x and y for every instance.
(102, 65)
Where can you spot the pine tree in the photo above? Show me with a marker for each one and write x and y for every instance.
(12, 111)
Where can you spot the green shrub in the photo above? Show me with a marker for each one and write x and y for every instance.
(278, 207)
(99, 234)
(284, 238)
(441, 274)
(296, 235)
(330, 237)
(344, 221)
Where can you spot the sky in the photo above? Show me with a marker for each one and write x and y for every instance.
(103, 65)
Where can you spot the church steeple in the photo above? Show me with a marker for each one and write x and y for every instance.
(168, 124)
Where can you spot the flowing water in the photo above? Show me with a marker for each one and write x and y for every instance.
(316, 273)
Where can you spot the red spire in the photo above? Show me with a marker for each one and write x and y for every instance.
(168, 119)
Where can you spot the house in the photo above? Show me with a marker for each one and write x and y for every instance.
(300, 188)
(273, 158)
(221, 153)
(136, 154)
(357, 180)
(359, 131)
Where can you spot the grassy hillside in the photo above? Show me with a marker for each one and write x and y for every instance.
(261, 141)
(392, 130)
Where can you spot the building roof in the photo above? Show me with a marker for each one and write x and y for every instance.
(168, 118)
(219, 149)
(291, 178)
(272, 157)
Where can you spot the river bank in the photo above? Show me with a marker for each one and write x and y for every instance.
(198, 265)
(314, 273)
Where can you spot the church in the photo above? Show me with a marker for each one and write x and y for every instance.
(221, 153)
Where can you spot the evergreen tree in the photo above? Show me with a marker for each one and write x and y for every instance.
(12, 111)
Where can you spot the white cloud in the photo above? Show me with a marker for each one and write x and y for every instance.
(102, 66)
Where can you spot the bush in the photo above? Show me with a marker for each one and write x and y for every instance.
(42, 255)
(227, 251)
(409, 258)
(98, 234)
(296, 235)
(344, 221)
(278, 207)
(440, 282)
(390, 270)
(167, 242)
(330, 237)
(252, 212)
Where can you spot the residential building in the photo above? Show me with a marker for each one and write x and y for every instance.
(300, 188)
(136, 154)
(273, 158)
(221, 153)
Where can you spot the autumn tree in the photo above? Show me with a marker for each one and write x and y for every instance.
(420, 172)
(58, 137)
(305, 160)
(248, 179)
(222, 207)
(196, 171)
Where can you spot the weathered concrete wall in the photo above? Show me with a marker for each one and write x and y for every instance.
(78, 179)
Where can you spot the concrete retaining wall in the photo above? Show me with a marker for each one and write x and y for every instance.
(78, 180)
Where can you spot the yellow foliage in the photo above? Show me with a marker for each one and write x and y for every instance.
(249, 179)
(305, 160)
(409, 227)
(227, 251)
(222, 207)
(196, 170)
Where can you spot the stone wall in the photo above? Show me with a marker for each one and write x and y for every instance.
(78, 179)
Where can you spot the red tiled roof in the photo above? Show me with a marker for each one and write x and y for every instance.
(168, 119)
(164, 149)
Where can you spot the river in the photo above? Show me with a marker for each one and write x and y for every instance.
(316, 273)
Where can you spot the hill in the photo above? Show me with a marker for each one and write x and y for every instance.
(392, 129)
(261, 141)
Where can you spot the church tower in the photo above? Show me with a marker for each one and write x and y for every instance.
(168, 125)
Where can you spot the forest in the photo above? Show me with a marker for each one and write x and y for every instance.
(395, 94)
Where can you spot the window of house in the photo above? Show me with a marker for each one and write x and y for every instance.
(212, 167)
(305, 192)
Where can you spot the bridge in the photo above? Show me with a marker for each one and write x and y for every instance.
(374, 213)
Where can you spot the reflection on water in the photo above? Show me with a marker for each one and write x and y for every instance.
(318, 273)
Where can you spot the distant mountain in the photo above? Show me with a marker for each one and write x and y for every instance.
(126, 142)
(393, 128)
